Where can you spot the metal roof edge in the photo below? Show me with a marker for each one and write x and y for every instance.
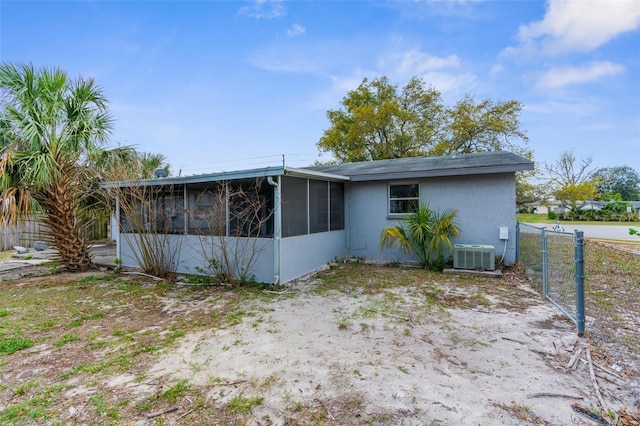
(305, 173)
(209, 177)
(462, 171)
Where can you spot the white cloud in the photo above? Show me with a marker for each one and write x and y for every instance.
(578, 25)
(442, 72)
(416, 62)
(344, 65)
(296, 30)
(275, 60)
(496, 69)
(264, 9)
(560, 77)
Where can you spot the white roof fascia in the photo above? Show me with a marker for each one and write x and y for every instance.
(441, 172)
(210, 177)
(304, 173)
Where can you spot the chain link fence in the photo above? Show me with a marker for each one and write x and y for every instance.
(529, 251)
(554, 260)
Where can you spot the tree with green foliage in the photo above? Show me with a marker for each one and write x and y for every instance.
(615, 209)
(572, 180)
(378, 121)
(622, 180)
(530, 190)
(486, 125)
(426, 233)
(49, 126)
(126, 163)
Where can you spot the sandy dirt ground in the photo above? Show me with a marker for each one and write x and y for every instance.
(337, 354)
(348, 357)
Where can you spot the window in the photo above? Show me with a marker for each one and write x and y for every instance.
(310, 206)
(337, 206)
(158, 210)
(207, 209)
(238, 208)
(318, 206)
(250, 208)
(404, 198)
(169, 211)
(294, 206)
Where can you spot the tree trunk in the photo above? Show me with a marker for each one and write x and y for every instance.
(61, 205)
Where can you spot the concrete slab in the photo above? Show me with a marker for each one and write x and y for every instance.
(103, 255)
(486, 274)
(17, 264)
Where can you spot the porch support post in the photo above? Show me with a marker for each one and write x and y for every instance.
(117, 221)
(277, 226)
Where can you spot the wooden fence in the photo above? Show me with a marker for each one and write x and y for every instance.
(26, 232)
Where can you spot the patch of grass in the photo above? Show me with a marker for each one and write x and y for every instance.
(68, 373)
(4, 314)
(4, 255)
(46, 325)
(88, 279)
(123, 335)
(99, 404)
(613, 276)
(33, 409)
(268, 381)
(521, 412)
(242, 405)
(10, 345)
(180, 388)
(343, 322)
(235, 317)
(25, 387)
(66, 338)
(542, 218)
(75, 323)
(404, 369)
(96, 316)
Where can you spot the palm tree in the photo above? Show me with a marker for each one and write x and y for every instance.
(425, 232)
(151, 162)
(49, 126)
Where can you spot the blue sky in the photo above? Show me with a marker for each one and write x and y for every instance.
(232, 85)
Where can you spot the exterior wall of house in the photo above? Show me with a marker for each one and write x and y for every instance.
(484, 203)
(305, 253)
(191, 253)
(299, 255)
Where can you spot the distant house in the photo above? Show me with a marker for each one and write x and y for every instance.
(559, 208)
(317, 214)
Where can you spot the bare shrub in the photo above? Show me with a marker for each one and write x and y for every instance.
(150, 217)
(231, 220)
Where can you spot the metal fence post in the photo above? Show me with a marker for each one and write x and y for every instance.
(580, 314)
(545, 264)
(517, 241)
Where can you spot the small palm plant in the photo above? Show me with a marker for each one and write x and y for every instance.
(426, 232)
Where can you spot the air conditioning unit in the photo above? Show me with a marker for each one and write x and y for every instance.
(474, 256)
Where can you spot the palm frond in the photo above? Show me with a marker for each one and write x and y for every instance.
(395, 236)
(426, 233)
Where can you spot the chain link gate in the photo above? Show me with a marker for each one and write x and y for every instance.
(554, 260)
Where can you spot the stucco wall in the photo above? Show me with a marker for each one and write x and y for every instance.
(192, 254)
(305, 253)
(484, 203)
(299, 255)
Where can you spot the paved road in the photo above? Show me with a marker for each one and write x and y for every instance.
(613, 232)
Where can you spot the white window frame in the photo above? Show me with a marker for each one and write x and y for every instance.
(389, 199)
